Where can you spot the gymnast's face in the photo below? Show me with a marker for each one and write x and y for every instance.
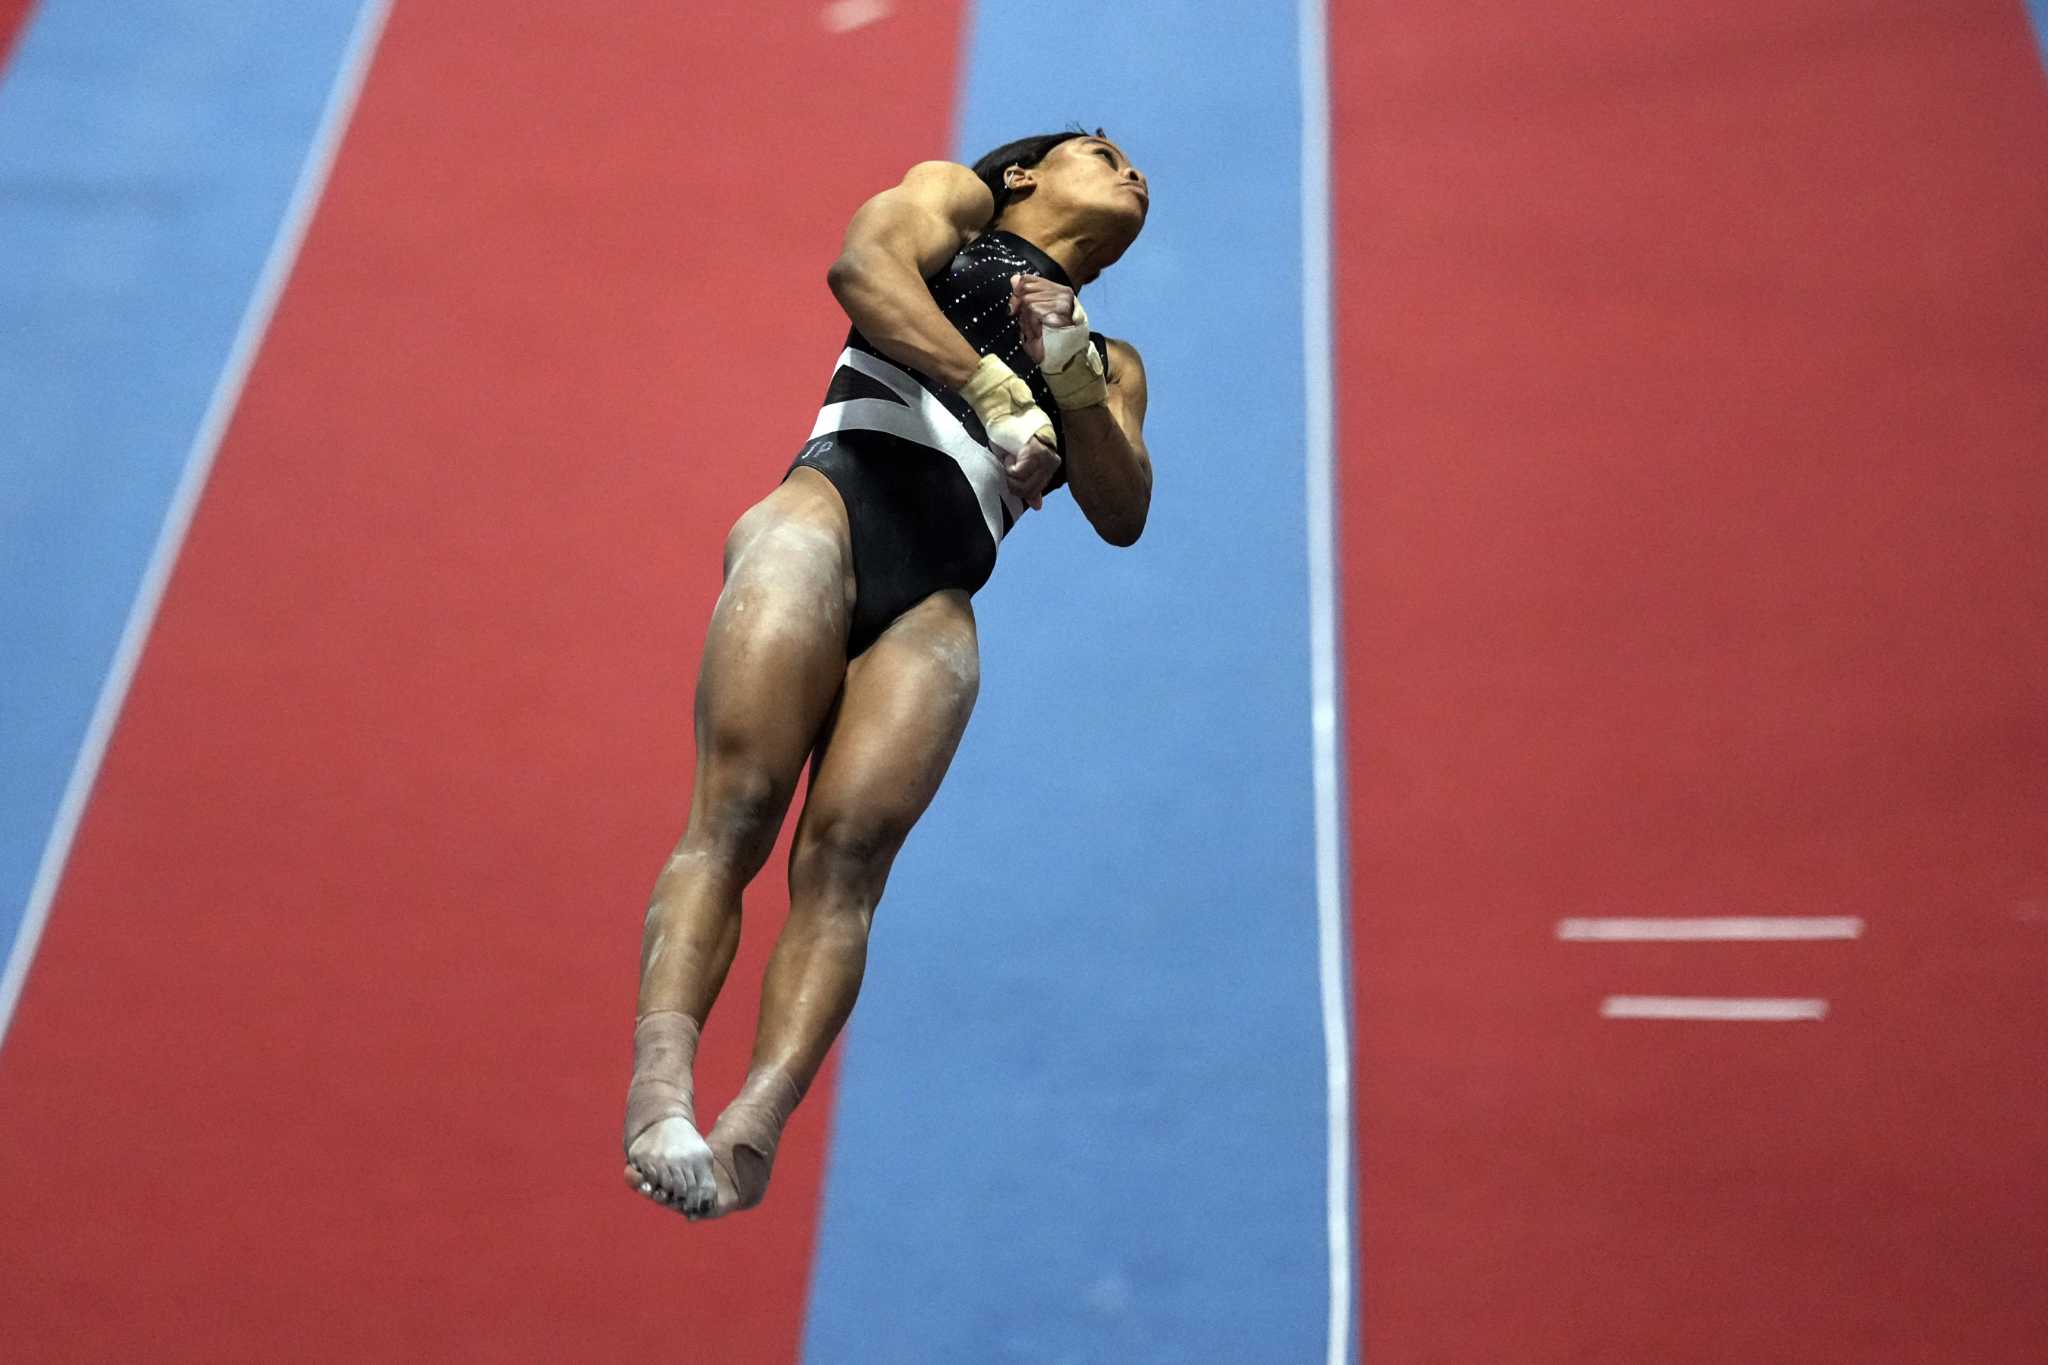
(1089, 182)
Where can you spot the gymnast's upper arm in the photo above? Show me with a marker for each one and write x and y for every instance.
(921, 222)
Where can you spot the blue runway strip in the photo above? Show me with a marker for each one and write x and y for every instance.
(1096, 966)
(145, 162)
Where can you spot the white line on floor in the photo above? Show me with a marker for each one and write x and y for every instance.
(1320, 470)
(1702, 1007)
(844, 16)
(1723, 927)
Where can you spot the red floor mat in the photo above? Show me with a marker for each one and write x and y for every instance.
(328, 1037)
(1692, 428)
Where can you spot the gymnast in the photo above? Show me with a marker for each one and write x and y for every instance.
(970, 387)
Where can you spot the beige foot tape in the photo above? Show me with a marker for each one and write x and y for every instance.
(664, 1053)
(743, 1140)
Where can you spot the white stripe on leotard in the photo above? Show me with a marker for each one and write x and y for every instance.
(923, 419)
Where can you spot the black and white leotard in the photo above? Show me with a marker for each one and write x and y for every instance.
(926, 500)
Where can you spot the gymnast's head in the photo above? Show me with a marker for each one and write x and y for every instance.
(1072, 184)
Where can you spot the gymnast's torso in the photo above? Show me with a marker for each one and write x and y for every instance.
(927, 502)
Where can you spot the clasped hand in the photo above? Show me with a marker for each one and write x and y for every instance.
(1054, 330)
(1050, 318)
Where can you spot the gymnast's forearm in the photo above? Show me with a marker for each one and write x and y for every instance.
(890, 303)
(1109, 473)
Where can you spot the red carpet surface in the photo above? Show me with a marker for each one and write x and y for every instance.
(1692, 422)
(435, 629)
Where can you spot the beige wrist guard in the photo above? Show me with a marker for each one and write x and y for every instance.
(1003, 402)
(1082, 384)
(1073, 367)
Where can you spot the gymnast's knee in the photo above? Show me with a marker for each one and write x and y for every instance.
(737, 815)
(845, 859)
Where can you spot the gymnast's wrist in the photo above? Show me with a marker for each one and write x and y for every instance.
(995, 391)
(1080, 383)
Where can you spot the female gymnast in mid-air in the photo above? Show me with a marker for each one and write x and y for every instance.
(970, 387)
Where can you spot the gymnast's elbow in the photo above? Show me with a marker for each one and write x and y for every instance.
(1122, 530)
(1117, 512)
(846, 275)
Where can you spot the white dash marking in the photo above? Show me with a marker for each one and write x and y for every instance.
(844, 16)
(1715, 928)
(1703, 1007)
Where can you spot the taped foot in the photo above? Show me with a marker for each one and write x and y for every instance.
(667, 1159)
(744, 1138)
